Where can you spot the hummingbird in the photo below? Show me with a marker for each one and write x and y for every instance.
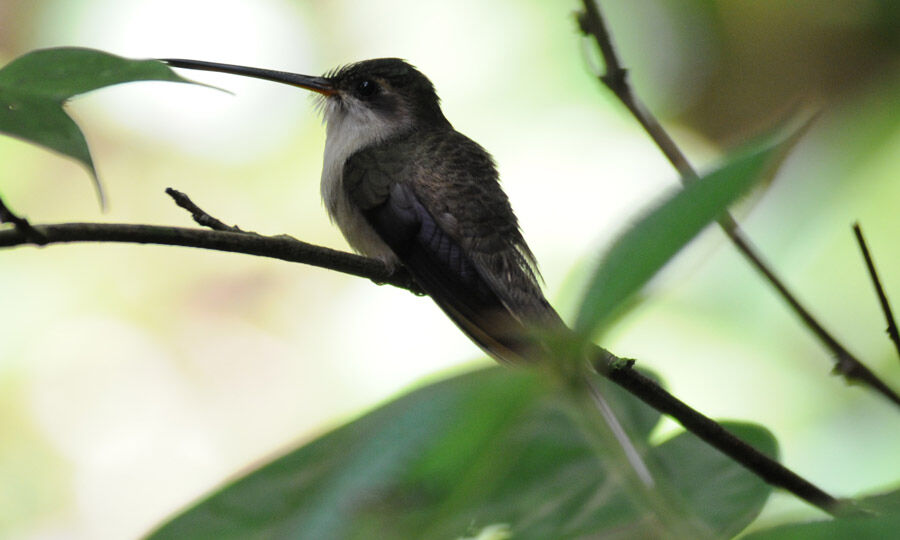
(405, 187)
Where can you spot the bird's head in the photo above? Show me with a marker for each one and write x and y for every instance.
(379, 95)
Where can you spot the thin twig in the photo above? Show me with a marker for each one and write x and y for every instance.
(289, 249)
(879, 290)
(22, 225)
(200, 216)
(592, 23)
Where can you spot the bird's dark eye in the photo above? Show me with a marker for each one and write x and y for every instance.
(366, 88)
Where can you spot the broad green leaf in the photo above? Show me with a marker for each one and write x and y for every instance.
(874, 528)
(882, 521)
(646, 246)
(34, 87)
(884, 503)
(492, 450)
(717, 489)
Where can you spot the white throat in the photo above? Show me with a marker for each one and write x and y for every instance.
(350, 127)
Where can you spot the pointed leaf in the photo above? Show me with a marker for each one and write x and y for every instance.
(716, 489)
(876, 517)
(859, 528)
(34, 87)
(646, 246)
(41, 121)
(60, 73)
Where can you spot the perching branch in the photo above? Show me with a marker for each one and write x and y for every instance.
(289, 249)
(616, 79)
(879, 290)
(276, 247)
(620, 372)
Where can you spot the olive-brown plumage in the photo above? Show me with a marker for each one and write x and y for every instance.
(405, 187)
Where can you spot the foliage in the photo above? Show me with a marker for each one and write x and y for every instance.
(489, 450)
(642, 250)
(453, 458)
(34, 88)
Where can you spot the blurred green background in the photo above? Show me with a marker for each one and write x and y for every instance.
(136, 378)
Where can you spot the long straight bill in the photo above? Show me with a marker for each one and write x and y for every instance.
(321, 85)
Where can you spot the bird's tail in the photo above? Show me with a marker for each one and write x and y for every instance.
(492, 326)
(618, 432)
(506, 341)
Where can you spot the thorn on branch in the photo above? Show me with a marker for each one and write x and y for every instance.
(845, 366)
(605, 362)
(200, 216)
(22, 225)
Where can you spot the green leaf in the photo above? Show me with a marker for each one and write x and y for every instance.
(716, 489)
(34, 87)
(880, 519)
(646, 246)
(883, 503)
(875, 528)
(492, 450)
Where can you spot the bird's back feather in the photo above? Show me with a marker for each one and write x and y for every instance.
(435, 199)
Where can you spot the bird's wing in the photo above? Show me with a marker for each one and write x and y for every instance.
(438, 205)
